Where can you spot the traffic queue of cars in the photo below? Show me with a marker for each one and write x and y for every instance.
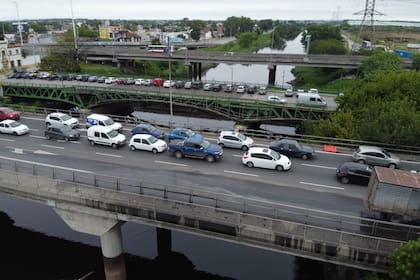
(102, 130)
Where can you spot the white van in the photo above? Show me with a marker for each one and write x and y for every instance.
(311, 99)
(102, 120)
(105, 136)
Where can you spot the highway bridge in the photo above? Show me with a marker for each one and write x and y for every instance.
(96, 189)
(224, 106)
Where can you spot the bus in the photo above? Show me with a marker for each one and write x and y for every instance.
(164, 49)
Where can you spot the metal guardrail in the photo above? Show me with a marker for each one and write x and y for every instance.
(268, 209)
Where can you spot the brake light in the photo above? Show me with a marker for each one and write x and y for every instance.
(245, 156)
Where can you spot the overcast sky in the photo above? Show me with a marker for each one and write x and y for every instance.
(404, 10)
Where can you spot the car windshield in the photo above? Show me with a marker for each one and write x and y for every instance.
(386, 153)
(299, 146)
(241, 136)
(8, 110)
(205, 144)
(113, 133)
(14, 124)
(152, 139)
(65, 117)
(275, 155)
(189, 132)
(109, 121)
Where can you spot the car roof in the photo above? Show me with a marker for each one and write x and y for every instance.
(288, 141)
(259, 150)
(7, 121)
(57, 114)
(58, 125)
(365, 148)
(97, 116)
(356, 165)
(229, 132)
(145, 125)
(142, 135)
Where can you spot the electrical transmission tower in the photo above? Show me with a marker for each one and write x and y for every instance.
(368, 15)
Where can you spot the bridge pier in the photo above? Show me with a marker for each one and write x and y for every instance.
(272, 74)
(190, 71)
(104, 225)
(196, 75)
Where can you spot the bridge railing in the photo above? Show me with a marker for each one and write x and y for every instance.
(195, 195)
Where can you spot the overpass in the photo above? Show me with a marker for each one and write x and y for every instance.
(99, 205)
(236, 109)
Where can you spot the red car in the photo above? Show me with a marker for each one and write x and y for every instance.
(120, 81)
(7, 113)
(158, 82)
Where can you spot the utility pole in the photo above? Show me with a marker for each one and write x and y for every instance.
(19, 27)
(74, 32)
(368, 15)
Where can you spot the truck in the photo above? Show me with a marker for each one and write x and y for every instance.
(196, 148)
(394, 194)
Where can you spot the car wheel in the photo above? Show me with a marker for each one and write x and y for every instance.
(91, 142)
(114, 146)
(392, 166)
(304, 157)
(244, 148)
(47, 137)
(15, 133)
(279, 168)
(132, 148)
(249, 164)
(210, 158)
(345, 180)
(178, 154)
(362, 161)
(155, 151)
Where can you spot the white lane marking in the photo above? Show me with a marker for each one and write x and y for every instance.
(237, 155)
(41, 152)
(109, 155)
(33, 129)
(9, 140)
(171, 163)
(30, 118)
(412, 162)
(18, 151)
(47, 165)
(323, 186)
(75, 142)
(36, 136)
(319, 166)
(241, 173)
(53, 147)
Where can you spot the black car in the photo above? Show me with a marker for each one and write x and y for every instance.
(179, 84)
(292, 148)
(197, 85)
(353, 172)
(251, 90)
(62, 132)
(216, 87)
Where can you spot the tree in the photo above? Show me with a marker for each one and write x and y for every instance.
(416, 62)
(196, 28)
(245, 40)
(380, 61)
(237, 25)
(330, 46)
(405, 261)
(265, 24)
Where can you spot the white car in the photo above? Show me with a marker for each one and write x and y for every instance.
(139, 82)
(147, 142)
(207, 87)
(266, 158)
(110, 80)
(277, 99)
(168, 84)
(233, 139)
(13, 127)
(288, 92)
(240, 89)
(61, 118)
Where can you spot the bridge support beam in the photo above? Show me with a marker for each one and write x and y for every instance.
(164, 241)
(272, 75)
(196, 69)
(190, 71)
(102, 224)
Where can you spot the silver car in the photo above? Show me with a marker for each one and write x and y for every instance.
(233, 139)
(373, 155)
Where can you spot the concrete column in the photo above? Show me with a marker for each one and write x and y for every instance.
(195, 71)
(190, 71)
(113, 255)
(272, 75)
(199, 72)
(164, 241)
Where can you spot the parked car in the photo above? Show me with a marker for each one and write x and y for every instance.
(110, 80)
(149, 129)
(158, 82)
(13, 127)
(276, 99)
(9, 114)
(139, 82)
(188, 85)
(262, 90)
(266, 158)
(240, 89)
(148, 82)
(373, 155)
(354, 172)
(207, 87)
(168, 84)
(183, 133)
(233, 139)
(288, 92)
(101, 79)
(92, 79)
(61, 118)
(147, 142)
(179, 84)
(228, 88)
(197, 84)
(292, 148)
(61, 132)
(216, 87)
(251, 89)
(120, 81)
(129, 81)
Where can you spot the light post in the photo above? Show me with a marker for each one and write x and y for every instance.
(19, 27)
(231, 75)
(169, 53)
(308, 39)
(74, 31)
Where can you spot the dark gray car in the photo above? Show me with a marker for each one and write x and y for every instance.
(292, 148)
(61, 132)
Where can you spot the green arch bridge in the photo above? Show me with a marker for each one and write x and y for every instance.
(236, 109)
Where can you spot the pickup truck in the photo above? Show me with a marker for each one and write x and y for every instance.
(196, 148)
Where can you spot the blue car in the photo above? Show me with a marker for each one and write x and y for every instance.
(149, 129)
(183, 133)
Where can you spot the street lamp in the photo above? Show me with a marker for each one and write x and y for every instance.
(169, 53)
(19, 27)
(308, 39)
(74, 31)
